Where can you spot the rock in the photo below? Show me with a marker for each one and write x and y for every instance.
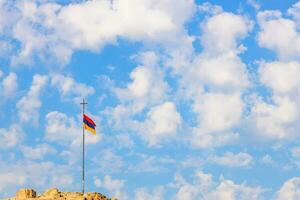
(25, 194)
(94, 196)
(55, 194)
(51, 193)
(72, 195)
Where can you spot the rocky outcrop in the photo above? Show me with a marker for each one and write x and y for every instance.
(55, 194)
(25, 193)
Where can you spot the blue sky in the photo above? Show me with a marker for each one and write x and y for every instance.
(192, 100)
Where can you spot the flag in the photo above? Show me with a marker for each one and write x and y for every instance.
(89, 124)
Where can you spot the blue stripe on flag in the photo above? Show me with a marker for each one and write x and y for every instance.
(88, 124)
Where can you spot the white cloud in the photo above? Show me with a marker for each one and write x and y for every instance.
(254, 4)
(284, 41)
(230, 159)
(67, 130)
(124, 141)
(186, 192)
(151, 164)
(277, 120)
(280, 77)
(147, 92)
(38, 152)
(23, 173)
(6, 17)
(217, 114)
(11, 137)
(5, 48)
(209, 8)
(147, 87)
(105, 163)
(144, 194)
(295, 12)
(162, 122)
(202, 187)
(207, 140)
(29, 105)
(109, 183)
(295, 156)
(290, 190)
(220, 73)
(10, 179)
(191, 190)
(218, 68)
(114, 186)
(215, 80)
(228, 190)
(116, 116)
(48, 28)
(10, 85)
(267, 159)
(69, 88)
(141, 82)
(136, 25)
(222, 31)
(296, 152)
(192, 162)
(143, 85)
(60, 127)
(278, 117)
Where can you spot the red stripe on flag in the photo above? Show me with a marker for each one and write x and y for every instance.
(89, 119)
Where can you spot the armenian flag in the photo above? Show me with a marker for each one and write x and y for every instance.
(89, 124)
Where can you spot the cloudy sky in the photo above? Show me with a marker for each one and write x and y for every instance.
(192, 99)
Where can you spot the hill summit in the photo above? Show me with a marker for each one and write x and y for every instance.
(55, 194)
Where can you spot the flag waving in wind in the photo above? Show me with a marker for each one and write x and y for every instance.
(89, 124)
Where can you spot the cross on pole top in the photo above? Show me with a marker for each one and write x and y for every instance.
(83, 102)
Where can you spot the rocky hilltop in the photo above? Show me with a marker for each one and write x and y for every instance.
(55, 194)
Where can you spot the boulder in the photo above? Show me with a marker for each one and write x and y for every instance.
(25, 193)
(51, 193)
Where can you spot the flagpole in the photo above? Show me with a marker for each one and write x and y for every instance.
(83, 107)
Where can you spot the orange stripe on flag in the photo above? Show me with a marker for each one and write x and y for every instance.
(86, 127)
